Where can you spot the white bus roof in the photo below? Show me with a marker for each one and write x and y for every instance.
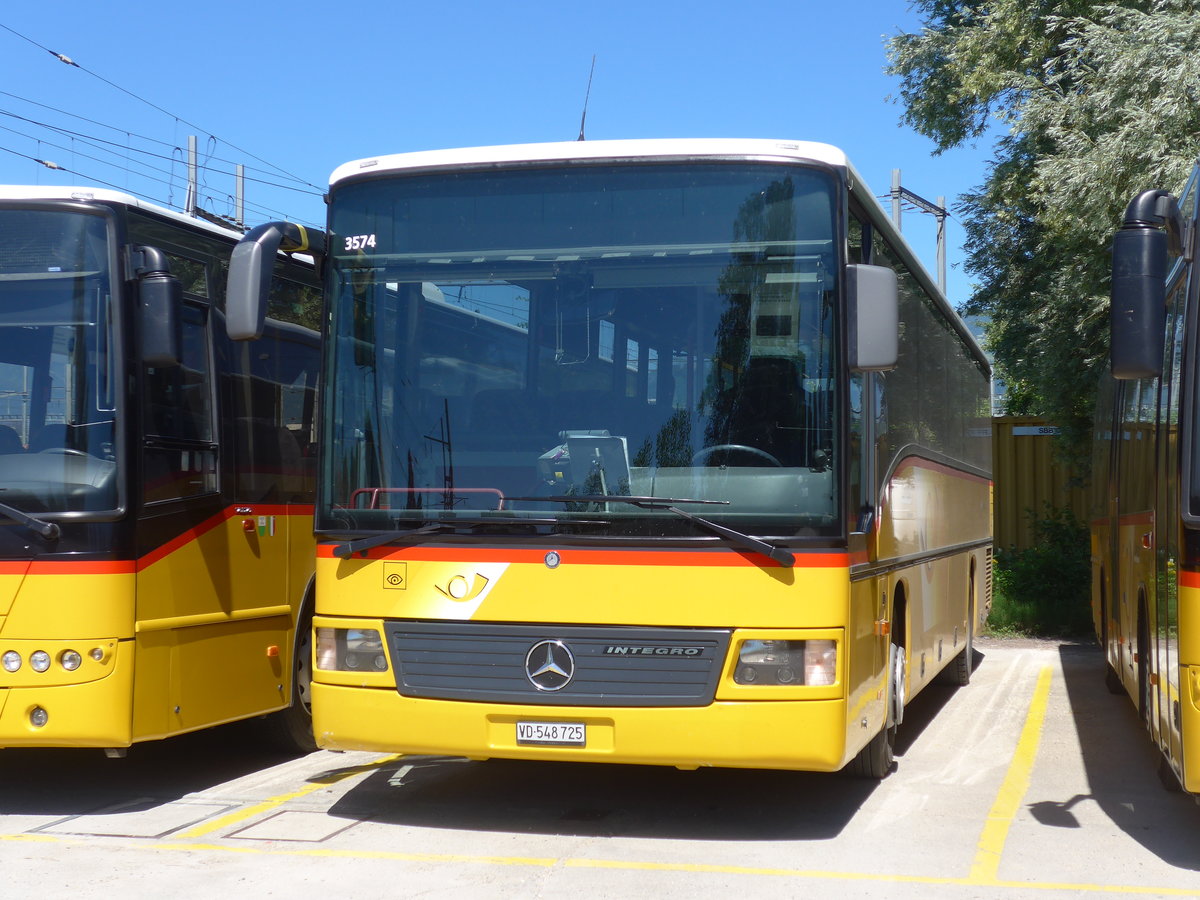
(666, 148)
(594, 150)
(105, 195)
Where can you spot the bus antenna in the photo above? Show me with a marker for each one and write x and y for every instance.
(586, 96)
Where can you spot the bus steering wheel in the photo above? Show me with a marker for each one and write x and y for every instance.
(701, 455)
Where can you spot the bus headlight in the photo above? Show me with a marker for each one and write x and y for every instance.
(820, 662)
(350, 650)
(39, 660)
(70, 660)
(811, 663)
(11, 661)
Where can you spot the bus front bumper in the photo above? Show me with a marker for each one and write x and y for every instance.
(91, 707)
(808, 735)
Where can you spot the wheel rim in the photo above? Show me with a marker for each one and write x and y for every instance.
(897, 684)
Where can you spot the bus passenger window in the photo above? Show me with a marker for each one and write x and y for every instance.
(178, 457)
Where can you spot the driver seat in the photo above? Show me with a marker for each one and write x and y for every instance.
(53, 436)
(769, 413)
(10, 441)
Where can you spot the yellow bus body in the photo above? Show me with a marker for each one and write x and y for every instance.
(166, 645)
(1146, 508)
(582, 393)
(1187, 695)
(825, 596)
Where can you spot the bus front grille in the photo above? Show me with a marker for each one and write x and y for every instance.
(557, 665)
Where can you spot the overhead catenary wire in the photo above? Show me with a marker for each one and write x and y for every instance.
(913, 207)
(132, 134)
(92, 179)
(93, 140)
(169, 179)
(135, 161)
(139, 169)
(71, 62)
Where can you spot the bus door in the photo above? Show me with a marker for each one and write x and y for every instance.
(210, 597)
(1165, 618)
(869, 600)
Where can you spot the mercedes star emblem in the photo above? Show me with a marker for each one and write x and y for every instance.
(549, 665)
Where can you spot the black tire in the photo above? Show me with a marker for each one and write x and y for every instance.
(877, 759)
(958, 672)
(1167, 776)
(1143, 665)
(291, 729)
(1112, 680)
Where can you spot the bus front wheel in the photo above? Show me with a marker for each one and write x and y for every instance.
(877, 759)
(290, 729)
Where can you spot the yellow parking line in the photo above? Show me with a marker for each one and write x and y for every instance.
(986, 867)
(695, 868)
(241, 815)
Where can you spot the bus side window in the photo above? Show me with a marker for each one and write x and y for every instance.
(857, 237)
(178, 418)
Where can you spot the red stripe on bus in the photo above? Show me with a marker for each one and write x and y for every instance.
(834, 559)
(129, 566)
(1189, 579)
(230, 512)
(920, 462)
(64, 567)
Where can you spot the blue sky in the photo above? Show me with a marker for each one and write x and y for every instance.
(292, 90)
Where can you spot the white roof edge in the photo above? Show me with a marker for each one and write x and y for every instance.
(83, 193)
(592, 150)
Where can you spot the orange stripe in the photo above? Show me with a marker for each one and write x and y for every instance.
(129, 566)
(1189, 579)
(182, 540)
(96, 567)
(825, 559)
(230, 512)
(65, 567)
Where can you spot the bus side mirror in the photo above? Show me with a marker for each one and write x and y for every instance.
(1139, 302)
(160, 298)
(873, 317)
(250, 267)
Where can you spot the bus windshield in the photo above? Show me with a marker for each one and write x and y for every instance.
(539, 342)
(58, 384)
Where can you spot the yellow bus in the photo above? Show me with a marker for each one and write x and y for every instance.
(156, 493)
(1145, 542)
(662, 452)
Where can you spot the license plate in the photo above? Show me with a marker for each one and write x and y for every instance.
(574, 733)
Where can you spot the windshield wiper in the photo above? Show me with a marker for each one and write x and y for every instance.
(784, 557)
(448, 523)
(48, 531)
(349, 548)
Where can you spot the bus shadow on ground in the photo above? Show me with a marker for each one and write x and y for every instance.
(922, 709)
(610, 800)
(1121, 766)
(606, 800)
(79, 781)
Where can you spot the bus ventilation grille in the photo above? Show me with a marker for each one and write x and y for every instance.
(608, 666)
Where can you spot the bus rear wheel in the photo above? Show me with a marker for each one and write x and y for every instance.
(958, 672)
(1143, 662)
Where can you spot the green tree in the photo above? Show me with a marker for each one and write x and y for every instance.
(1095, 102)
